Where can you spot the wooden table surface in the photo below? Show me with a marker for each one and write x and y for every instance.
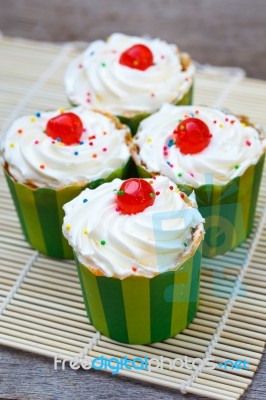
(225, 32)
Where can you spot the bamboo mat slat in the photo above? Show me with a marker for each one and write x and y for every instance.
(40, 316)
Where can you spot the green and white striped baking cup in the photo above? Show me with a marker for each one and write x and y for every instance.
(228, 210)
(141, 310)
(133, 123)
(41, 214)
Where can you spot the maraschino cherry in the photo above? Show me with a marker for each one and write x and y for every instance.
(134, 196)
(65, 127)
(192, 136)
(138, 56)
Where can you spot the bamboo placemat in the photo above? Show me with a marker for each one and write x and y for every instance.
(41, 307)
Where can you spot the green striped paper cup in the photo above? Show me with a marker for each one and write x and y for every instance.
(133, 123)
(228, 210)
(140, 310)
(41, 214)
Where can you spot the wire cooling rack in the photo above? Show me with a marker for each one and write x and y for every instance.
(41, 307)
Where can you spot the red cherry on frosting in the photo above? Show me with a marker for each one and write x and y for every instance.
(134, 196)
(138, 56)
(192, 136)
(67, 128)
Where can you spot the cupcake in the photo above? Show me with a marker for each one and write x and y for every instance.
(137, 249)
(49, 158)
(130, 76)
(217, 155)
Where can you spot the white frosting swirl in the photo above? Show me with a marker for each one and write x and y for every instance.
(35, 158)
(97, 78)
(234, 146)
(153, 241)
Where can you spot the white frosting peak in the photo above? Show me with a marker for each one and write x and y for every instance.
(35, 158)
(234, 146)
(97, 79)
(153, 241)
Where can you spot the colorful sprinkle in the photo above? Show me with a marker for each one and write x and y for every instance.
(92, 137)
(236, 166)
(42, 166)
(215, 122)
(37, 142)
(179, 174)
(76, 153)
(58, 139)
(68, 227)
(62, 110)
(85, 200)
(248, 143)
(171, 143)
(88, 100)
(182, 195)
(104, 149)
(103, 64)
(117, 209)
(38, 114)
(232, 121)
(152, 94)
(85, 232)
(221, 125)
(80, 66)
(20, 131)
(149, 140)
(191, 174)
(81, 143)
(171, 187)
(104, 133)
(94, 156)
(226, 119)
(134, 269)
(91, 143)
(157, 193)
(103, 242)
(197, 112)
(12, 145)
(32, 119)
(185, 244)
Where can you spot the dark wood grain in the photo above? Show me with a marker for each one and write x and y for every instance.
(224, 32)
(29, 377)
